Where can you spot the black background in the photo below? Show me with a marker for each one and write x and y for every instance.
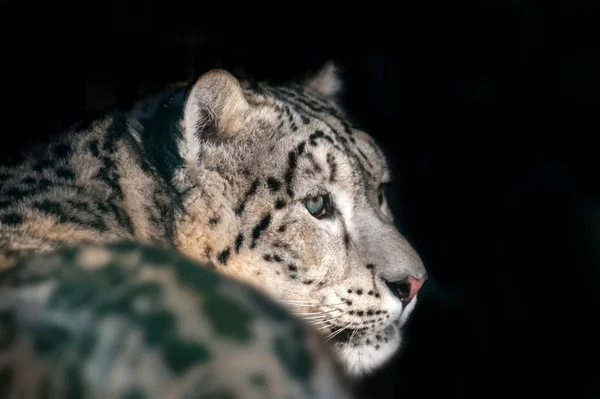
(488, 111)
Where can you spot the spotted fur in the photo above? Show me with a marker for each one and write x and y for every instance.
(222, 172)
(131, 321)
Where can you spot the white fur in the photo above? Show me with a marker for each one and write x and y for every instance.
(362, 360)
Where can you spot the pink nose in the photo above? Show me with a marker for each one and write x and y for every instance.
(407, 288)
(414, 287)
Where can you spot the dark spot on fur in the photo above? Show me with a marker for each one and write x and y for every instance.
(247, 196)
(289, 174)
(260, 228)
(292, 268)
(378, 312)
(267, 257)
(274, 184)
(307, 282)
(213, 221)
(376, 346)
(346, 127)
(349, 303)
(351, 312)
(11, 219)
(161, 137)
(359, 292)
(368, 342)
(253, 188)
(346, 240)
(349, 291)
(305, 119)
(370, 266)
(282, 228)
(223, 257)
(293, 276)
(316, 135)
(122, 218)
(239, 240)
(362, 154)
(369, 313)
(370, 293)
(94, 148)
(377, 295)
(62, 150)
(277, 258)
(289, 114)
(315, 165)
(16, 192)
(360, 313)
(65, 215)
(41, 165)
(110, 176)
(65, 173)
(332, 167)
(280, 204)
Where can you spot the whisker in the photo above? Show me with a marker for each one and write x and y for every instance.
(355, 330)
(310, 320)
(338, 316)
(314, 313)
(323, 327)
(333, 333)
(319, 322)
(316, 318)
(308, 303)
(333, 318)
(337, 332)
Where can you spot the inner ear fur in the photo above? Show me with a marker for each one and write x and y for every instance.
(215, 107)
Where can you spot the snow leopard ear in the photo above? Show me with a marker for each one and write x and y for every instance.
(215, 108)
(325, 82)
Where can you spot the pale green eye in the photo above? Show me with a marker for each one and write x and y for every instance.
(316, 206)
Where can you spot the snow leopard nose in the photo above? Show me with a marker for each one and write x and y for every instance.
(406, 289)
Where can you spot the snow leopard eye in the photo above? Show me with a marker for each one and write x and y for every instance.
(317, 206)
